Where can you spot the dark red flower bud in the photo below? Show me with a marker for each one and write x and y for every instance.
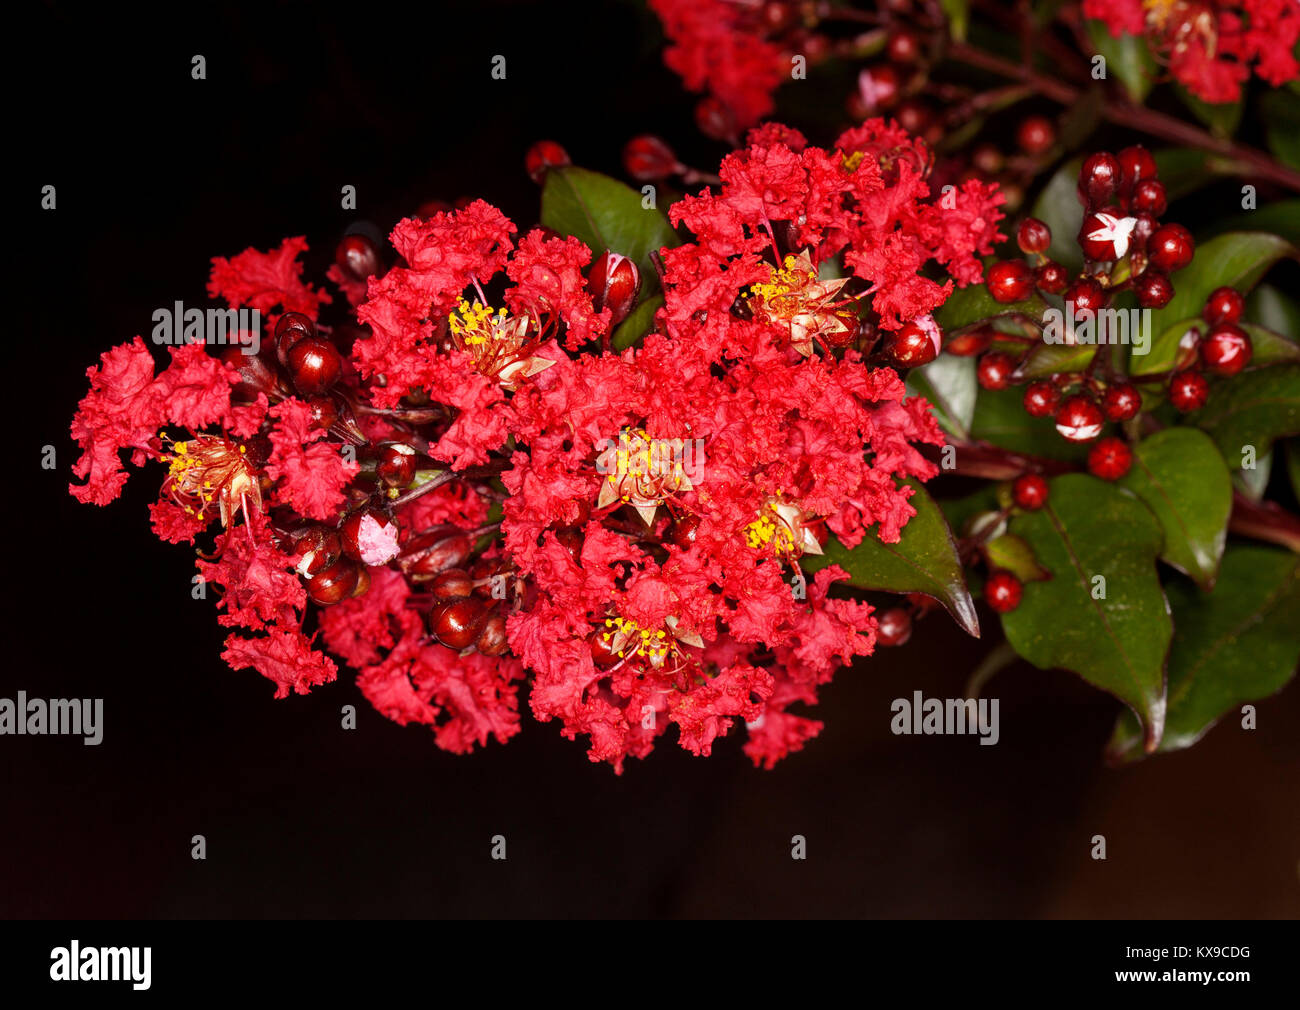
(1003, 591)
(1188, 391)
(1086, 296)
(1029, 491)
(396, 466)
(715, 120)
(1171, 247)
(1153, 289)
(1041, 398)
(314, 365)
(458, 623)
(1099, 178)
(1033, 236)
(1226, 349)
(434, 551)
(1079, 419)
(333, 584)
(1009, 281)
(973, 342)
(492, 639)
(316, 550)
(362, 540)
(358, 257)
(1110, 459)
(1225, 305)
(542, 156)
(1051, 277)
(1035, 135)
(1119, 403)
(1149, 198)
(912, 346)
(1136, 164)
(649, 159)
(994, 370)
(613, 281)
(289, 329)
(452, 584)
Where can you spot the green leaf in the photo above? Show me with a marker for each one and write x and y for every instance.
(1048, 359)
(1222, 118)
(1237, 644)
(923, 561)
(1269, 307)
(605, 214)
(1014, 554)
(1253, 481)
(1128, 58)
(1000, 419)
(638, 323)
(974, 304)
(1118, 643)
(1269, 348)
(1237, 260)
(948, 382)
(1181, 477)
(1252, 409)
(1293, 464)
(1281, 218)
(1059, 208)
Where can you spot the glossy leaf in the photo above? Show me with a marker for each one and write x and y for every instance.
(949, 384)
(1058, 206)
(1048, 359)
(1091, 529)
(1000, 419)
(1014, 554)
(1181, 477)
(1271, 308)
(1252, 409)
(1236, 259)
(1269, 348)
(974, 304)
(923, 561)
(605, 214)
(1128, 58)
(1237, 644)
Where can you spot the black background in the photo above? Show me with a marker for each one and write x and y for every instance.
(156, 173)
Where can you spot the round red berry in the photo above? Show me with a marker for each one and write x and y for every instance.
(1122, 402)
(1136, 163)
(973, 342)
(914, 116)
(988, 158)
(912, 347)
(1106, 237)
(1188, 391)
(543, 156)
(452, 584)
(893, 627)
(1041, 398)
(457, 623)
(1051, 277)
(1035, 135)
(1149, 198)
(714, 119)
(1010, 281)
(1033, 236)
(903, 47)
(1079, 419)
(1003, 591)
(1029, 491)
(1099, 177)
(1226, 349)
(1110, 459)
(994, 370)
(1087, 297)
(1153, 289)
(396, 466)
(314, 365)
(1224, 305)
(1170, 247)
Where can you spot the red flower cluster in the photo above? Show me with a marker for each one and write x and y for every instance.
(644, 513)
(1212, 45)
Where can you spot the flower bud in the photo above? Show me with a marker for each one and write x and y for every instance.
(544, 155)
(649, 159)
(613, 281)
(435, 551)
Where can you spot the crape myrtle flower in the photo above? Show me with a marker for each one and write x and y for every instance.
(490, 508)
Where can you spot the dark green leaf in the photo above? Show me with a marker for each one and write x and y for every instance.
(1000, 418)
(1014, 554)
(1269, 348)
(1058, 206)
(1293, 464)
(637, 324)
(1048, 359)
(1252, 409)
(923, 561)
(1269, 307)
(1237, 259)
(949, 384)
(1282, 126)
(1127, 57)
(1237, 644)
(974, 304)
(1281, 218)
(1088, 529)
(1253, 481)
(1181, 477)
(605, 214)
